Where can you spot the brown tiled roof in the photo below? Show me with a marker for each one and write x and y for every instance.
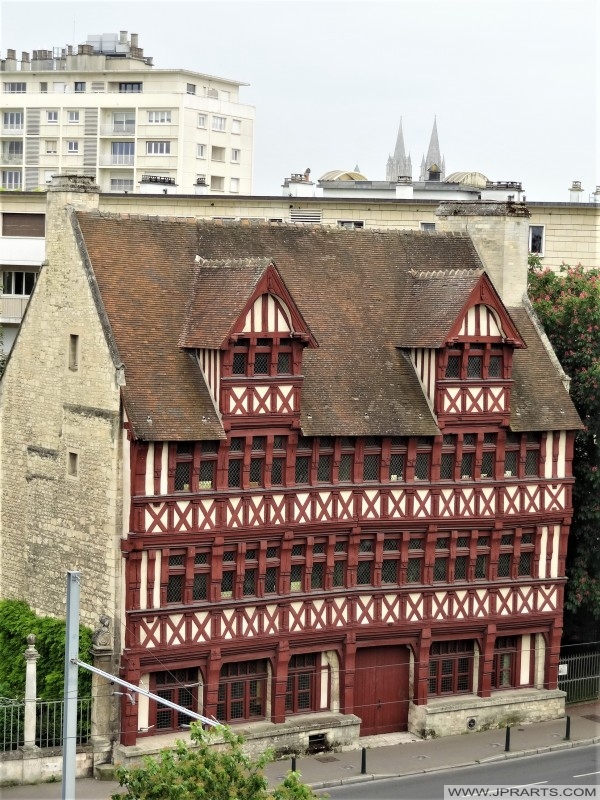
(539, 400)
(219, 292)
(349, 286)
(432, 301)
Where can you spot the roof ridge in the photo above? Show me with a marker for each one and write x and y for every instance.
(439, 273)
(250, 261)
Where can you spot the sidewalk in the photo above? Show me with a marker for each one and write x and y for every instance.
(403, 758)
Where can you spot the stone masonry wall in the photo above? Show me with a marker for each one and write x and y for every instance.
(500, 232)
(52, 521)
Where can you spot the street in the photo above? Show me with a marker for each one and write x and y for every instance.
(566, 767)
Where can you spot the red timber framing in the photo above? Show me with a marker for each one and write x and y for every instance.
(473, 370)
(271, 574)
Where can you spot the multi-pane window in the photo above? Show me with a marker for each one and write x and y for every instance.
(450, 667)
(340, 555)
(297, 567)
(272, 569)
(79, 87)
(448, 457)
(303, 459)
(461, 560)
(176, 577)
(122, 153)
(159, 117)
(52, 116)
(15, 87)
(325, 461)
(20, 283)
(479, 362)
(467, 464)
(482, 557)
(236, 462)
(123, 121)
(121, 184)
(130, 87)
(440, 569)
(301, 688)
(257, 462)
(235, 156)
(200, 151)
(505, 656)
(158, 148)
(208, 465)
(183, 466)
(278, 462)
(190, 88)
(505, 556)
(317, 575)
(414, 569)
(180, 687)
(72, 147)
(242, 691)
(391, 561)
(511, 454)
(262, 357)
(249, 586)
(13, 120)
(219, 123)
(527, 543)
(397, 458)
(488, 455)
(72, 116)
(423, 458)
(228, 574)
(366, 556)
(11, 179)
(346, 468)
(201, 575)
(532, 455)
(371, 458)
(202, 120)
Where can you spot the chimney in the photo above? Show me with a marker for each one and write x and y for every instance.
(500, 233)
(24, 56)
(134, 40)
(69, 49)
(596, 195)
(122, 37)
(25, 62)
(10, 63)
(575, 192)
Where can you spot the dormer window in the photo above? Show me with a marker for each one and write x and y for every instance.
(475, 362)
(264, 356)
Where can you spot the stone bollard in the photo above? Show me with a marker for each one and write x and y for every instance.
(31, 657)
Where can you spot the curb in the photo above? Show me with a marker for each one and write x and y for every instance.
(503, 757)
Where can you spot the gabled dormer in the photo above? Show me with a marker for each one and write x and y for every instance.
(249, 336)
(474, 368)
(460, 339)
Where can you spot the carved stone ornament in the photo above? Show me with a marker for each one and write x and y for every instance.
(102, 638)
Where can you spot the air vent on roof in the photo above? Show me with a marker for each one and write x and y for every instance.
(306, 215)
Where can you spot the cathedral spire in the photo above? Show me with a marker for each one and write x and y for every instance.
(398, 165)
(433, 164)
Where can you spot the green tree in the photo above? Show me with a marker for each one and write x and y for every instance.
(204, 770)
(17, 621)
(568, 305)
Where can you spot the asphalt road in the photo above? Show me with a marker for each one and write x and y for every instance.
(575, 766)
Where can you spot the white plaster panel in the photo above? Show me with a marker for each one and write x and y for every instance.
(555, 546)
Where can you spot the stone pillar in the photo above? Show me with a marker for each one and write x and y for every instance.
(280, 682)
(103, 702)
(31, 657)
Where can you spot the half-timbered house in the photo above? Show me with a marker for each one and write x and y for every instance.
(319, 479)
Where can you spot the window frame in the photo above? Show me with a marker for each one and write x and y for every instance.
(541, 233)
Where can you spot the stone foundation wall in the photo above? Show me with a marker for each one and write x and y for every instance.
(285, 739)
(19, 767)
(469, 714)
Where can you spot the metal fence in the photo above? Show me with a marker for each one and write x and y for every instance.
(581, 680)
(49, 723)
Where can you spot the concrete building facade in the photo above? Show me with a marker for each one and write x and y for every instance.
(104, 110)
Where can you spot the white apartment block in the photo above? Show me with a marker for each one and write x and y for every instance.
(106, 111)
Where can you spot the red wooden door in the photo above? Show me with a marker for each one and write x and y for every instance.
(381, 689)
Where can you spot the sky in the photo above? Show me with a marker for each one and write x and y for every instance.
(514, 84)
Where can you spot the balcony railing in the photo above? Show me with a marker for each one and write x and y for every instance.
(118, 129)
(117, 160)
(10, 130)
(7, 159)
(12, 307)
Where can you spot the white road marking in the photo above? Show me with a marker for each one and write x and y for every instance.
(585, 774)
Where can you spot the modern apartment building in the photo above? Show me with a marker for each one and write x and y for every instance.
(105, 111)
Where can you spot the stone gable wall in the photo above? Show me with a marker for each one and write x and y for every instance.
(51, 521)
